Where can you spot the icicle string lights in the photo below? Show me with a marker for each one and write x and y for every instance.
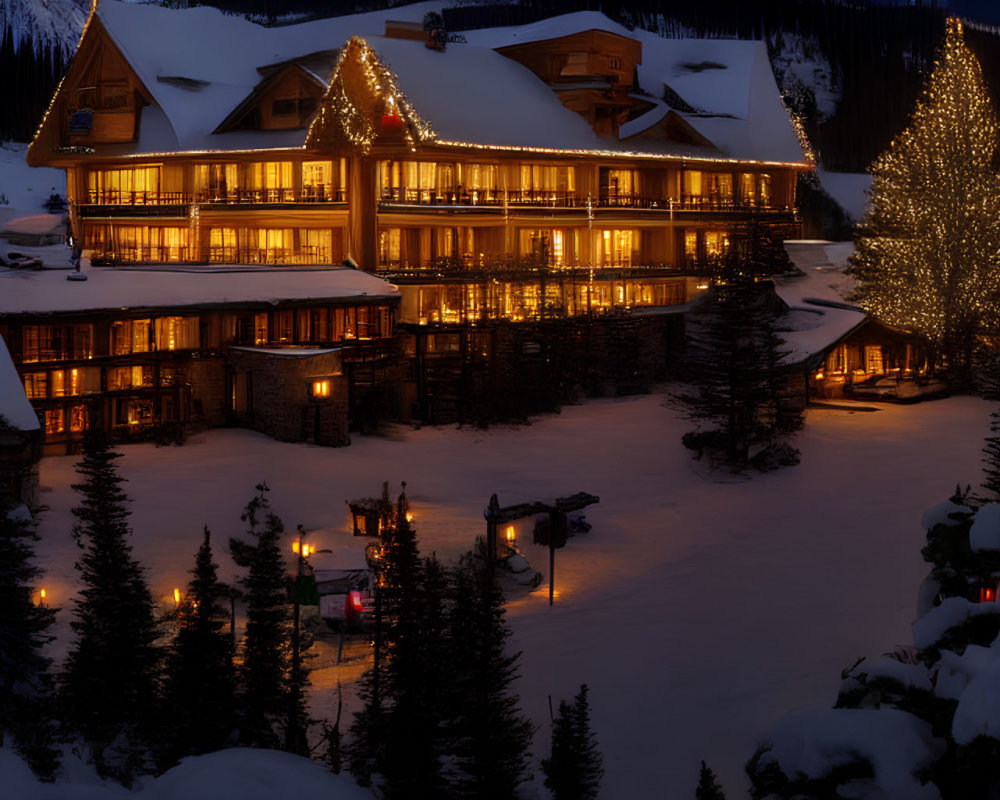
(361, 94)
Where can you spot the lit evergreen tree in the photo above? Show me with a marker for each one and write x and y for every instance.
(199, 690)
(263, 693)
(25, 683)
(110, 682)
(574, 770)
(927, 251)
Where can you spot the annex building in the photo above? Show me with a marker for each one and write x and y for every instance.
(504, 205)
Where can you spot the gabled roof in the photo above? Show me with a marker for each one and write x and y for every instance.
(200, 66)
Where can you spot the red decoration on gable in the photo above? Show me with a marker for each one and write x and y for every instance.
(392, 123)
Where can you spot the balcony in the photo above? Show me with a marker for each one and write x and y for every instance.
(275, 197)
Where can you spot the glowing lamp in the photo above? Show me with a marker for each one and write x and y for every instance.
(987, 595)
(295, 546)
(177, 596)
(41, 597)
(510, 533)
(819, 375)
(409, 516)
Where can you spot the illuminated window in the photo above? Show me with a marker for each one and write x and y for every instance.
(217, 181)
(716, 244)
(130, 186)
(57, 382)
(270, 181)
(321, 388)
(691, 244)
(36, 385)
(617, 248)
(315, 245)
(176, 333)
(388, 247)
(222, 247)
(318, 180)
(78, 418)
(54, 423)
(693, 183)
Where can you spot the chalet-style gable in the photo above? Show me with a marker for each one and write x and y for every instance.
(288, 97)
(592, 72)
(98, 103)
(669, 127)
(363, 104)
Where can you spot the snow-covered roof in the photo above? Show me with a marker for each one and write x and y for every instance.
(729, 83)
(15, 408)
(469, 93)
(43, 291)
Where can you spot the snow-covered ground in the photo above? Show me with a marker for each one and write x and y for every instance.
(24, 189)
(700, 609)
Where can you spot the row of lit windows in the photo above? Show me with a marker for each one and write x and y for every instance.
(258, 182)
(421, 248)
(411, 182)
(55, 383)
(473, 302)
(126, 412)
(147, 244)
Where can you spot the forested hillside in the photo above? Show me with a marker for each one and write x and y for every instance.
(851, 69)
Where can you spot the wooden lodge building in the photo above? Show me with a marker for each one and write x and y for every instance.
(564, 170)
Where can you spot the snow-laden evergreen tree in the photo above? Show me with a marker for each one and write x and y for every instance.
(26, 714)
(263, 694)
(708, 787)
(575, 768)
(199, 692)
(110, 683)
(926, 255)
(491, 738)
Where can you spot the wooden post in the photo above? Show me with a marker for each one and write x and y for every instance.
(553, 528)
(492, 515)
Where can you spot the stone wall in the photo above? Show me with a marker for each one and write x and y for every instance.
(281, 401)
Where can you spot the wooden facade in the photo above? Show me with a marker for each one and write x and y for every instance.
(324, 159)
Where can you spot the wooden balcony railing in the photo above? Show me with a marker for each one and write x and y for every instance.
(114, 197)
(308, 194)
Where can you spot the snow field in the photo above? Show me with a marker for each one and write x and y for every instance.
(700, 609)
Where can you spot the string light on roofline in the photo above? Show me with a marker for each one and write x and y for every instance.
(342, 120)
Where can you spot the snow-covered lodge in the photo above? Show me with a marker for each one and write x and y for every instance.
(565, 168)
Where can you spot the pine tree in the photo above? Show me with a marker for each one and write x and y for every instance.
(574, 770)
(26, 712)
(927, 250)
(732, 365)
(110, 682)
(490, 737)
(200, 684)
(708, 786)
(263, 675)
(398, 735)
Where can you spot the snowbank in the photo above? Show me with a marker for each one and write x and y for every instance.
(985, 531)
(897, 744)
(978, 712)
(932, 626)
(244, 773)
(941, 514)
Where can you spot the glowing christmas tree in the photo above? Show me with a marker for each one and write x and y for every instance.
(927, 252)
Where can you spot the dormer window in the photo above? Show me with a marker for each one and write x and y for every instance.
(297, 106)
